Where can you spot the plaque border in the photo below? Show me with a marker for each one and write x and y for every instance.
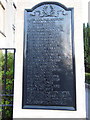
(24, 106)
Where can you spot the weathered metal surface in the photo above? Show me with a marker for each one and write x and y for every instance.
(49, 71)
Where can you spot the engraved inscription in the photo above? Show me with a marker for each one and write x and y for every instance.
(48, 60)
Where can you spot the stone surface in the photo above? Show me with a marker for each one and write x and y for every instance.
(80, 112)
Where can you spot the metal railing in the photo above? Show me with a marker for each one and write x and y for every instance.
(7, 60)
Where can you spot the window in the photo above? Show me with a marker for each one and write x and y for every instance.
(2, 18)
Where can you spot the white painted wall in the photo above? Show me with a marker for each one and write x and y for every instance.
(8, 41)
(18, 112)
(89, 12)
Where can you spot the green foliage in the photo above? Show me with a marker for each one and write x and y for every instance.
(86, 34)
(9, 84)
(87, 78)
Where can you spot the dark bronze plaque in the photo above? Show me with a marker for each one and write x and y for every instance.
(49, 72)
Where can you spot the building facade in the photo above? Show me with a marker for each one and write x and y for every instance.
(89, 12)
(7, 23)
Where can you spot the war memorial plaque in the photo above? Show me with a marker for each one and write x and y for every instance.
(48, 67)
